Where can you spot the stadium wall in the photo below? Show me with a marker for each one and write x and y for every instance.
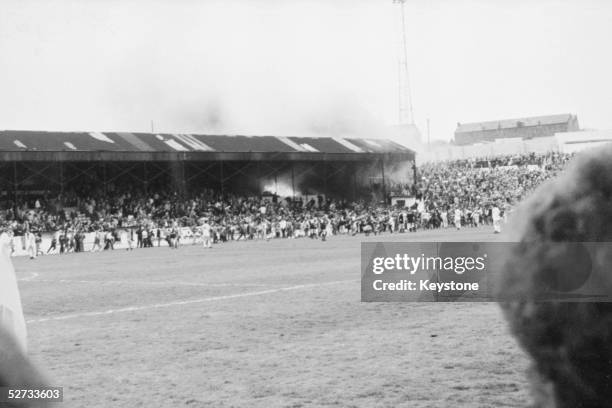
(564, 142)
(500, 147)
(572, 142)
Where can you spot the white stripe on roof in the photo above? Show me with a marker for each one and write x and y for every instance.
(101, 136)
(308, 147)
(135, 141)
(291, 143)
(194, 143)
(173, 144)
(348, 145)
(176, 145)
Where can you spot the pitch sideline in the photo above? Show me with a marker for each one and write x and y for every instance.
(184, 302)
(168, 283)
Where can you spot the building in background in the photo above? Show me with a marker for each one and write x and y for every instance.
(523, 128)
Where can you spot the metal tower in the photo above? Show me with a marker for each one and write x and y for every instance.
(405, 113)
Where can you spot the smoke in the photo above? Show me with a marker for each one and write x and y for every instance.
(241, 67)
(337, 180)
(400, 172)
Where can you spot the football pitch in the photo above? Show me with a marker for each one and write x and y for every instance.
(259, 324)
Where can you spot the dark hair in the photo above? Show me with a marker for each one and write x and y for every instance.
(570, 342)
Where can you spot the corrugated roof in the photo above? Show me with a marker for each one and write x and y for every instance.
(19, 140)
(513, 123)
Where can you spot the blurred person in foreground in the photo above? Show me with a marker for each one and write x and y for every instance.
(570, 343)
(11, 313)
(16, 371)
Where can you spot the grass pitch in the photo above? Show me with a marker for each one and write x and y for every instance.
(259, 324)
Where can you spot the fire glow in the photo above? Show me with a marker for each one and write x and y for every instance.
(280, 188)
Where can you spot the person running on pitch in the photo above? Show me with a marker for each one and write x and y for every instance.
(458, 218)
(496, 215)
(53, 246)
(206, 233)
(30, 242)
(97, 241)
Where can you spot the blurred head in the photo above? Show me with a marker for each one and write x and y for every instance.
(570, 343)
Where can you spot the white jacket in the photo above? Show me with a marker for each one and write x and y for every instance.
(11, 312)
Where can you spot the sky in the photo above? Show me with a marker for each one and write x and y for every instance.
(303, 67)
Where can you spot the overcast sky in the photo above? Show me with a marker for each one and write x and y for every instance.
(298, 67)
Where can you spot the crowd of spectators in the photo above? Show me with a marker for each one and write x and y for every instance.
(469, 189)
(150, 220)
(456, 193)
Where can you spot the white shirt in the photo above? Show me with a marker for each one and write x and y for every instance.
(496, 214)
(206, 229)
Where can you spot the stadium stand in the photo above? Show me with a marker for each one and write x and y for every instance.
(127, 215)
